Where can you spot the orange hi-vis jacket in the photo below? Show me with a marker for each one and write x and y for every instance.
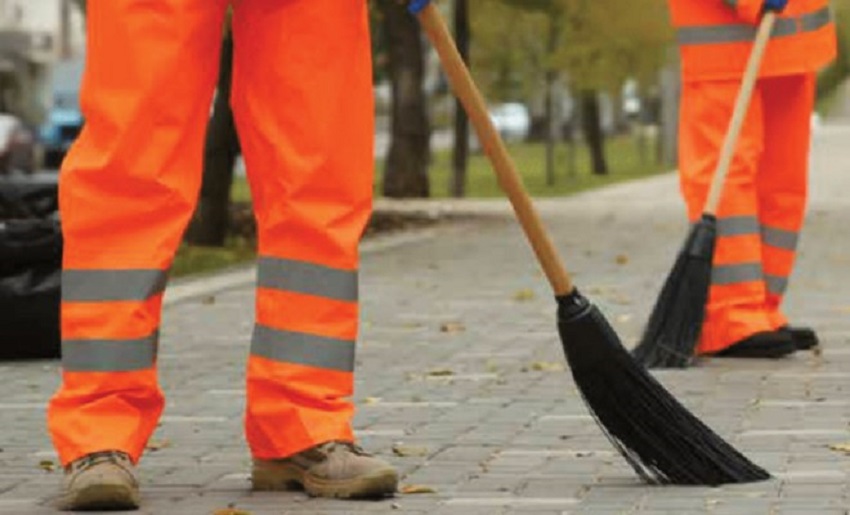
(715, 37)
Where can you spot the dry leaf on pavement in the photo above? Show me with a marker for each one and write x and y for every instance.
(417, 489)
(155, 445)
(452, 327)
(440, 372)
(409, 450)
(524, 295)
(841, 447)
(546, 366)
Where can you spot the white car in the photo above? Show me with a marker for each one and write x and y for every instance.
(512, 120)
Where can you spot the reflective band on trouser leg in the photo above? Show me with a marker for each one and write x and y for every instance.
(736, 306)
(306, 125)
(783, 180)
(127, 190)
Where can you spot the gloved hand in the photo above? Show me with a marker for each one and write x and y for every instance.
(751, 11)
(774, 5)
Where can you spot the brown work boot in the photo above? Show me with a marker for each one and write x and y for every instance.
(100, 481)
(332, 469)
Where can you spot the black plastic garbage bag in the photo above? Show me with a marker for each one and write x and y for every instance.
(30, 282)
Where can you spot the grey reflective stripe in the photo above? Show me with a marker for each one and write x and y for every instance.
(732, 274)
(110, 355)
(303, 349)
(742, 32)
(779, 238)
(816, 20)
(731, 3)
(308, 278)
(776, 284)
(112, 285)
(737, 226)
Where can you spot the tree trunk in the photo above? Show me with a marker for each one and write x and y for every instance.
(210, 224)
(460, 157)
(551, 123)
(592, 128)
(552, 120)
(406, 169)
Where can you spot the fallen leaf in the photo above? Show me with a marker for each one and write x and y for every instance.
(524, 295)
(231, 511)
(624, 318)
(840, 447)
(209, 299)
(47, 465)
(417, 489)
(408, 451)
(452, 327)
(155, 445)
(622, 259)
(546, 366)
(440, 372)
(371, 400)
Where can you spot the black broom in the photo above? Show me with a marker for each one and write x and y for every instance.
(658, 436)
(674, 326)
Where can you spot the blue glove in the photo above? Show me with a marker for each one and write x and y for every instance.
(775, 5)
(416, 6)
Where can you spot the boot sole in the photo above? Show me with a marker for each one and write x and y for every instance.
(101, 497)
(380, 484)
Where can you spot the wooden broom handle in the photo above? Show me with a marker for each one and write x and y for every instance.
(742, 104)
(509, 179)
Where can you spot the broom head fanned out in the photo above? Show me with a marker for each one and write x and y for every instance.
(656, 434)
(674, 327)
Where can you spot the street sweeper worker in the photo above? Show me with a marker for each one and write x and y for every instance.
(763, 201)
(302, 97)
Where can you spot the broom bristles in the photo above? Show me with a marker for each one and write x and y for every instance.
(656, 434)
(674, 326)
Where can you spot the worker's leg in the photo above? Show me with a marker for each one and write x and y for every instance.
(127, 190)
(302, 97)
(783, 179)
(736, 307)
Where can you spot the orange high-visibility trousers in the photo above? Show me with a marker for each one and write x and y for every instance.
(302, 98)
(763, 201)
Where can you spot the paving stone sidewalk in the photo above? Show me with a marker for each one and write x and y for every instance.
(461, 379)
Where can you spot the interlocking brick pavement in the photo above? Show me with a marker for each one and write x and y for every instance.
(461, 371)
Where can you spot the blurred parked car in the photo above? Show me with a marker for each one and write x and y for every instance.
(63, 125)
(17, 146)
(512, 120)
(64, 119)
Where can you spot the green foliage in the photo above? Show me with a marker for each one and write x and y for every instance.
(597, 44)
(530, 159)
(193, 260)
(830, 78)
